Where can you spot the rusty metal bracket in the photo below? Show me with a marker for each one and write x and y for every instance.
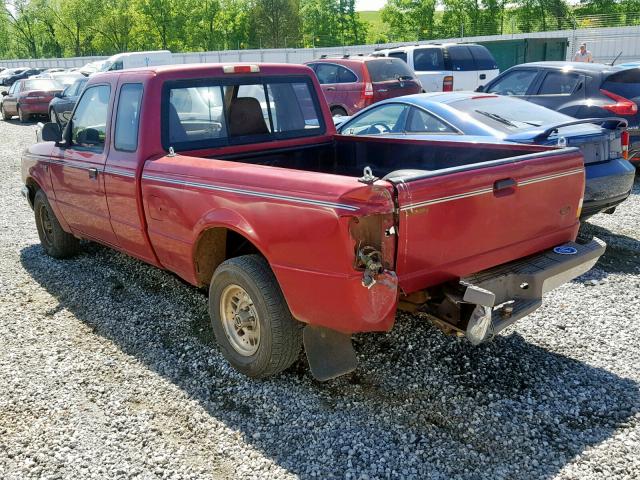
(367, 176)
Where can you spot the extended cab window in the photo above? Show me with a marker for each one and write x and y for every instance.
(89, 122)
(128, 117)
(203, 116)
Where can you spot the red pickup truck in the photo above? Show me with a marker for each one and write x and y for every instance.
(233, 177)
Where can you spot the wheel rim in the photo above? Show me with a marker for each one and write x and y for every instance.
(46, 224)
(240, 320)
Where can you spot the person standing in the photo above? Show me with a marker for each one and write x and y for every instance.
(583, 55)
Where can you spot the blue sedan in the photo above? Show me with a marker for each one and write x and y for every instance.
(449, 115)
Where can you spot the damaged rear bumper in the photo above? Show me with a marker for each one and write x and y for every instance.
(504, 294)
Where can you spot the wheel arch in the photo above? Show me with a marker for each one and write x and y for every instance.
(219, 239)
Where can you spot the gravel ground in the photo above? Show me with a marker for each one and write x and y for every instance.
(108, 369)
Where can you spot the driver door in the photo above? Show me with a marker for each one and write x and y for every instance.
(77, 167)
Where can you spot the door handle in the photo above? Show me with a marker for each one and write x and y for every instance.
(504, 184)
(382, 89)
(93, 173)
(331, 89)
(483, 76)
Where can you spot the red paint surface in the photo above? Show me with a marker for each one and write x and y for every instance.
(309, 247)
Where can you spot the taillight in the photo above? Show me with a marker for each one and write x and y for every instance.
(367, 89)
(624, 140)
(623, 106)
(447, 84)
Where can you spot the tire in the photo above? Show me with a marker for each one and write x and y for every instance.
(338, 111)
(55, 241)
(24, 118)
(5, 116)
(277, 335)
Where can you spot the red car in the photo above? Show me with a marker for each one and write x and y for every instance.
(350, 84)
(29, 97)
(233, 177)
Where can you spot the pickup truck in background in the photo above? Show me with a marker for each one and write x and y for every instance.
(233, 177)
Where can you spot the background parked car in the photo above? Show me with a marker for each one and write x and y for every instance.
(447, 67)
(136, 59)
(581, 90)
(61, 106)
(46, 73)
(350, 84)
(19, 74)
(9, 72)
(27, 98)
(451, 115)
(66, 77)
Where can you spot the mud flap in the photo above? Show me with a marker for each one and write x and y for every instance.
(330, 353)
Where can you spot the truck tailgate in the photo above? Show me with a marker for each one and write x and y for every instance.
(458, 221)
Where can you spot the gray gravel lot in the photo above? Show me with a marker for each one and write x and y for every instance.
(108, 369)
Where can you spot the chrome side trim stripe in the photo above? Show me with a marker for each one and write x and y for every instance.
(484, 191)
(120, 172)
(551, 177)
(253, 193)
(449, 198)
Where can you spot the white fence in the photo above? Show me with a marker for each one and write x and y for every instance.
(604, 43)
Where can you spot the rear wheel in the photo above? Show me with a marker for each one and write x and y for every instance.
(338, 112)
(250, 317)
(24, 118)
(5, 116)
(55, 241)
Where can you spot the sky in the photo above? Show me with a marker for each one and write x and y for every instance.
(366, 5)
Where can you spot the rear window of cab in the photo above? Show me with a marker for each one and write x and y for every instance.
(210, 113)
(384, 69)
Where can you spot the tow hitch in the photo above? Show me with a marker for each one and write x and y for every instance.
(371, 260)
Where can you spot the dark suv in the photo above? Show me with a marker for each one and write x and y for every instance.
(353, 83)
(581, 90)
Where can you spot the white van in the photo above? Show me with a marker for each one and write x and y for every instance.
(445, 67)
(122, 61)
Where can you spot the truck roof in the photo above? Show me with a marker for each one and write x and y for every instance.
(195, 69)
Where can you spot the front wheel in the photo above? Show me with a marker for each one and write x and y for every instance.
(55, 241)
(250, 318)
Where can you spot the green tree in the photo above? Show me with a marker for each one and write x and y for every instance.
(277, 22)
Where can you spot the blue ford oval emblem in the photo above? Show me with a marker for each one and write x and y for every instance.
(565, 250)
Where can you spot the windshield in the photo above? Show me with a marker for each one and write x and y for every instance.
(508, 115)
(42, 84)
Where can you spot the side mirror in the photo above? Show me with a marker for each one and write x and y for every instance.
(4, 94)
(480, 88)
(50, 132)
(58, 94)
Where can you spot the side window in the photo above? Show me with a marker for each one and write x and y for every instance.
(71, 90)
(89, 122)
(128, 117)
(428, 59)
(461, 59)
(346, 76)
(422, 122)
(514, 83)
(327, 73)
(484, 59)
(13, 88)
(401, 55)
(559, 83)
(384, 119)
